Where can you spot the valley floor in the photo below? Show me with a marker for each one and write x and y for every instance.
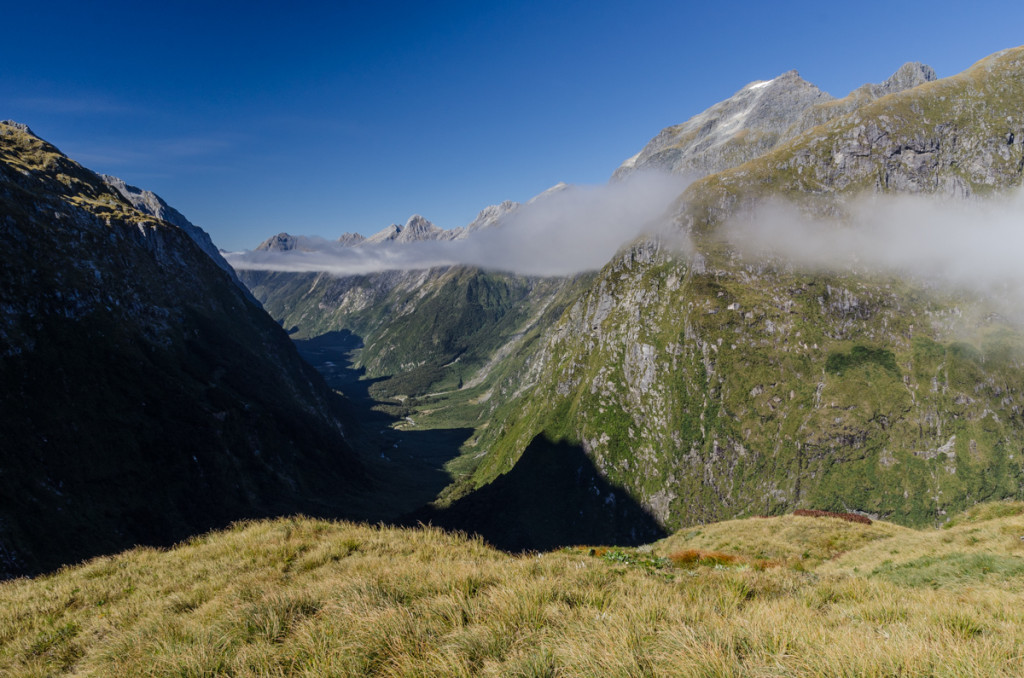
(784, 596)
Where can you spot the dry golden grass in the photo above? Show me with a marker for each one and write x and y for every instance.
(299, 597)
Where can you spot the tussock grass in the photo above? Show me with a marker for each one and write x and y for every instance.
(300, 597)
(783, 538)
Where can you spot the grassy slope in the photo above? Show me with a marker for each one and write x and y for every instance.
(312, 598)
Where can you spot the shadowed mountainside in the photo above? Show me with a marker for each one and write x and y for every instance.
(144, 396)
(552, 497)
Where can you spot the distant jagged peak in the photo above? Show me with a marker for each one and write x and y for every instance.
(282, 242)
(491, 215)
(285, 242)
(416, 228)
(386, 234)
(557, 188)
(350, 239)
(910, 74)
(788, 79)
(419, 228)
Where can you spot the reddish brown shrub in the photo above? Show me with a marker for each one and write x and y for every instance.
(849, 517)
(694, 557)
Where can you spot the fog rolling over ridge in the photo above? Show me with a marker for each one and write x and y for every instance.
(560, 233)
(973, 245)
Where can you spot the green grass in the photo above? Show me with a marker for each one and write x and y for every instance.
(952, 568)
(837, 363)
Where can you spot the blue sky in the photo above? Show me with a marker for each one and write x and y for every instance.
(318, 118)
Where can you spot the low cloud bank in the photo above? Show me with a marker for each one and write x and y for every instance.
(562, 233)
(975, 245)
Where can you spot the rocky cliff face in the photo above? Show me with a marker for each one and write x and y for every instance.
(150, 203)
(145, 397)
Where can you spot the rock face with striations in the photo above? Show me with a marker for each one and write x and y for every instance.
(145, 396)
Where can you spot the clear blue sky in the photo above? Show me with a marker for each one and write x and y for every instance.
(319, 118)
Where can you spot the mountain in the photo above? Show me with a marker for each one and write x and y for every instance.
(759, 117)
(145, 395)
(712, 385)
(416, 229)
(419, 327)
(284, 242)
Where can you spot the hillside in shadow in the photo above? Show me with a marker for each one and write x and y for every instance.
(554, 496)
(406, 468)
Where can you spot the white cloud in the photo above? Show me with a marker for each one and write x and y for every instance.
(566, 232)
(975, 245)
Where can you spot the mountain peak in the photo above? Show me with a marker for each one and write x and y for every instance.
(491, 215)
(910, 74)
(350, 239)
(282, 242)
(415, 229)
(732, 131)
(557, 188)
(787, 79)
(20, 126)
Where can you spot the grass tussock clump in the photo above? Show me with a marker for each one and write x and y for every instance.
(298, 597)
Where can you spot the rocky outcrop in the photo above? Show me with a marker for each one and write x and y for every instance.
(150, 203)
